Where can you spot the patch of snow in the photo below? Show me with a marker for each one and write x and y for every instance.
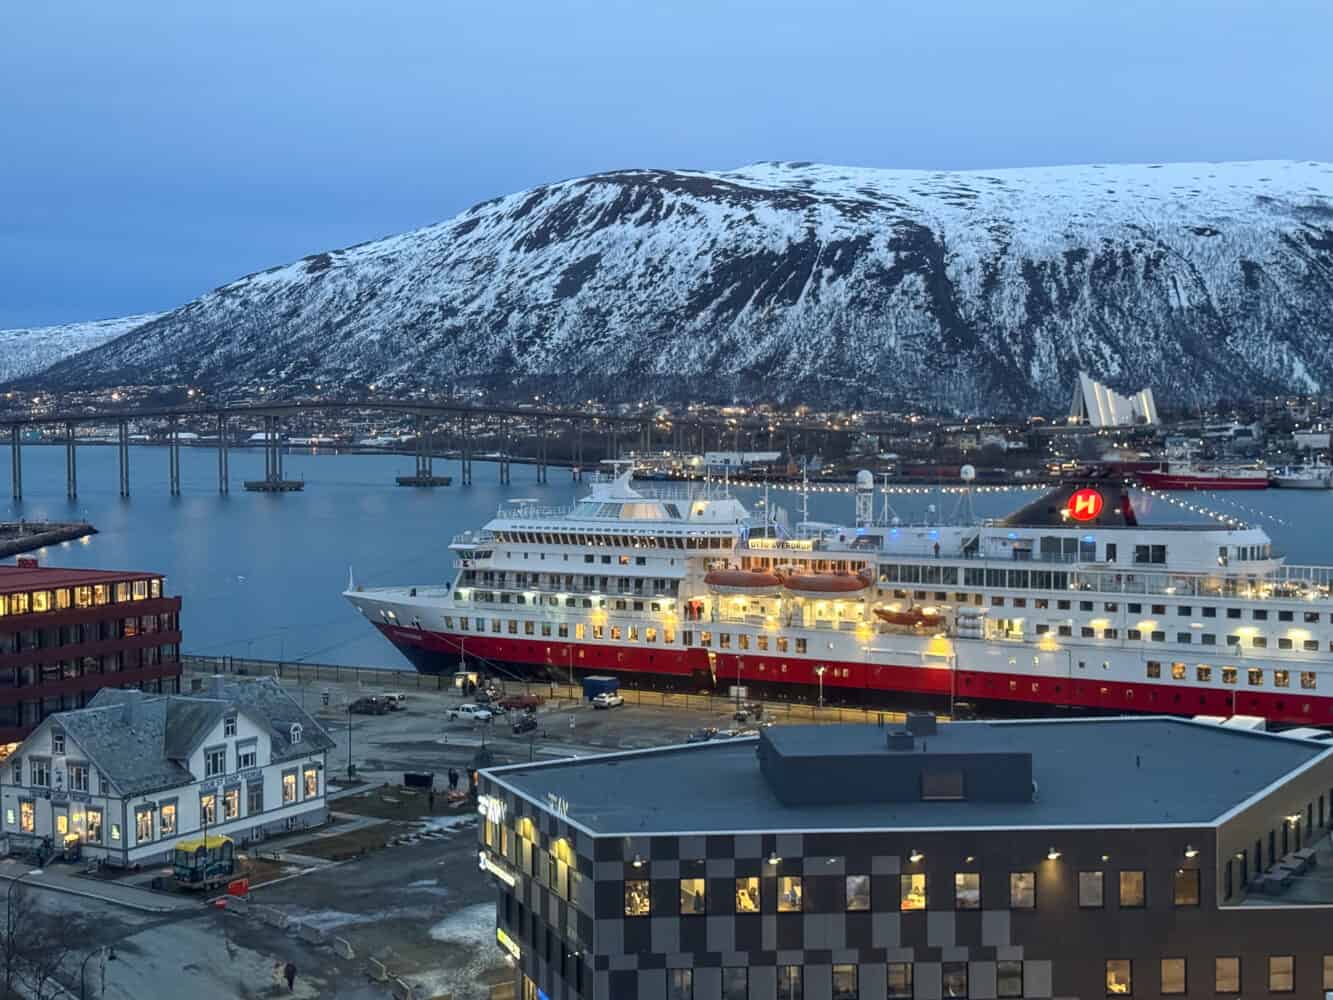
(446, 824)
(27, 350)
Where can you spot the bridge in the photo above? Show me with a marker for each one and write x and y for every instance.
(460, 425)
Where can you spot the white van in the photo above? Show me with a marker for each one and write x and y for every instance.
(397, 699)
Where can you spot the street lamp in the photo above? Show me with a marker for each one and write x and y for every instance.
(349, 739)
(819, 672)
(83, 968)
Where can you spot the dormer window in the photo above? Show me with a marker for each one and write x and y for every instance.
(229, 726)
(296, 732)
(57, 741)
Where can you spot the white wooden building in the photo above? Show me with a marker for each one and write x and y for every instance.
(134, 772)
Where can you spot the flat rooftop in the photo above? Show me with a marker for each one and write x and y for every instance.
(21, 578)
(1102, 772)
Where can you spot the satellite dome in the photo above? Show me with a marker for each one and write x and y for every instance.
(968, 473)
(865, 480)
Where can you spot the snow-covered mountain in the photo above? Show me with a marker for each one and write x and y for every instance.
(977, 290)
(26, 350)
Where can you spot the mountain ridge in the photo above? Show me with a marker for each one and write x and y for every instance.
(973, 291)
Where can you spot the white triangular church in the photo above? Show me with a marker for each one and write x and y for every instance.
(1096, 405)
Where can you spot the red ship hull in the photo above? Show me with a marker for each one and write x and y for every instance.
(438, 653)
(1185, 481)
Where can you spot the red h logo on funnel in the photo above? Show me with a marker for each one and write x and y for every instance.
(1084, 505)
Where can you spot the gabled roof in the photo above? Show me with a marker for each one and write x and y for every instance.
(140, 742)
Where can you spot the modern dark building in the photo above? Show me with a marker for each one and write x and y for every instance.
(1068, 859)
(67, 633)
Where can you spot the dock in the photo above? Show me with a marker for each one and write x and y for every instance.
(26, 536)
(274, 485)
(423, 480)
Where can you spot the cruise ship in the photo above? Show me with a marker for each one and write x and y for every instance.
(1070, 601)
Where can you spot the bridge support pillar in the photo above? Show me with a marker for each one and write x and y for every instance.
(611, 440)
(425, 448)
(224, 456)
(541, 452)
(123, 453)
(71, 463)
(576, 465)
(465, 452)
(16, 463)
(504, 450)
(174, 459)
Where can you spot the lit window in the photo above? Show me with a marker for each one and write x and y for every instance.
(1254, 677)
(747, 895)
(789, 894)
(912, 892)
(1226, 975)
(1203, 672)
(1281, 973)
(636, 898)
(691, 896)
(289, 788)
(1328, 973)
(1307, 679)
(1173, 976)
(166, 819)
(1022, 890)
(311, 776)
(791, 982)
(1119, 977)
(208, 808)
(143, 825)
(1177, 671)
(231, 803)
(1131, 889)
(1187, 887)
(966, 891)
(93, 826)
(1229, 675)
(27, 817)
(680, 984)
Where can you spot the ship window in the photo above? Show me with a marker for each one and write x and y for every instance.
(1254, 677)
(1311, 617)
(1177, 671)
(1066, 630)
(1203, 672)
(1110, 633)
(1133, 633)
(1285, 616)
(1087, 632)
(1281, 678)
(1184, 638)
(1159, 637)
(1260, 615)
(1062, 605)
(1209, 611)
(1310, 645)
(1208, 639)
(1159, 609)
(1233, 612)
(1229, 675)
(1154, 669)
(800, 645)
(1284, 644)
(1043, 629)
(1307, 679)
(1259, 642)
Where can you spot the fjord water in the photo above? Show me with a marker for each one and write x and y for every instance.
(260, 575)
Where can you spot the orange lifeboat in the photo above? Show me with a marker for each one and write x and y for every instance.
(743, 581)
(826, 583)
(911, 618)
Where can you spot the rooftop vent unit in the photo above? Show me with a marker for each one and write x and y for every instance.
(921, 723)
(901, 739)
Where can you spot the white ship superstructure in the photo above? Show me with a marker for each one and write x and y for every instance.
(1069, 601)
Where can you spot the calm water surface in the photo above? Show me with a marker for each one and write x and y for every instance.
(261, 575)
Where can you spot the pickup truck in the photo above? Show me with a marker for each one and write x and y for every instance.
(514, 702)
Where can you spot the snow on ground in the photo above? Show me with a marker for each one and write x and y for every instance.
(27, 350)
(469, 939)
(446, 824)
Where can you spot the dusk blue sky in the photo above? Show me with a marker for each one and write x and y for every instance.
(150, 151)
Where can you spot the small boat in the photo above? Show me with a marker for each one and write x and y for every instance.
(911, 618)
(1304, 477)
(742, 581)
(827, 583)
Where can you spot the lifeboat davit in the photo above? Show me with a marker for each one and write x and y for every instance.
(826, 583)
(742, 581)
(911, 618)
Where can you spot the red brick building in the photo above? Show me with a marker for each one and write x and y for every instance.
(67, 633)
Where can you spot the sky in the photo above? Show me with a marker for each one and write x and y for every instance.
(151, 151)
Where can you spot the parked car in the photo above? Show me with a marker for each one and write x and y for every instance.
(474, 712)
(524, 724)
(701, 736)
(370, 705)
(607, 699)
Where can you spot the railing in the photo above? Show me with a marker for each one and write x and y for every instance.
(530, 512)
(473, 537)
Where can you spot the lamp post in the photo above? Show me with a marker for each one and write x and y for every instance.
(349, 739)
(819, 672)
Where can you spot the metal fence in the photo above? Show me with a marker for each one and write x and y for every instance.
(390, 680)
